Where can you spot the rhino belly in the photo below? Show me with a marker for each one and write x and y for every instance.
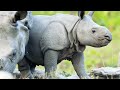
(35, 56)
(36, 60)
(66, 54)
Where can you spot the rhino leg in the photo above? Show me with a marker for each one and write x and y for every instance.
(25, 70)
(35, 74)
(78, 64)
(32, 66)
(50, 62)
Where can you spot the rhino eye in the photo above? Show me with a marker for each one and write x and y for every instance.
(26, 23)
(11, 56)
(14, 54)
(93, 31)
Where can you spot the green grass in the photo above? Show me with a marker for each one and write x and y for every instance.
(97, 57)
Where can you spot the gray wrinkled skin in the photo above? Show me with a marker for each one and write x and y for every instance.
(61, 36)
(14, 36)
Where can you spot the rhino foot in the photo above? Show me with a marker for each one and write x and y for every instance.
(38, 74)
(26, 74)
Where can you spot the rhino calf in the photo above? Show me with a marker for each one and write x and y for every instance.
(14, 35)
(59, 37)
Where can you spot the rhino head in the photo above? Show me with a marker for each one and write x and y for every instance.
(90, 33)
(14, 35)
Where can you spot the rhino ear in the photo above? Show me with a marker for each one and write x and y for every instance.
(91, 13)
(81, 14)
(19, 15)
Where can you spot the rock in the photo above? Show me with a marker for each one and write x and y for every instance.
(106, 73)
(6, 75)
(73, 77)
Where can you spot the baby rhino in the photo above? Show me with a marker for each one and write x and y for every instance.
(59, 37)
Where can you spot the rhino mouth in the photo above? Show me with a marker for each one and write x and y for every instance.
(8, 66)
(103, 42)
(109, 39)
(101, 39)
(101, 45)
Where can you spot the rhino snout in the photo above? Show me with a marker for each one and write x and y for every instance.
(108, 37)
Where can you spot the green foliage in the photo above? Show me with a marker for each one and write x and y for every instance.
(97, 57)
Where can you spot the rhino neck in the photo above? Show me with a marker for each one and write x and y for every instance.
(74, 43)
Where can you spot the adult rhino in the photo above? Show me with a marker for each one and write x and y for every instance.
(14, 35)
(59, 37)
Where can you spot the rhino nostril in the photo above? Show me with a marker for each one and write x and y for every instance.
(108, 37)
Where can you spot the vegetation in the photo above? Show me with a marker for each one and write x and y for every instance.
(96, 57)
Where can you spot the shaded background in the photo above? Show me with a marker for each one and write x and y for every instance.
(95, 57)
